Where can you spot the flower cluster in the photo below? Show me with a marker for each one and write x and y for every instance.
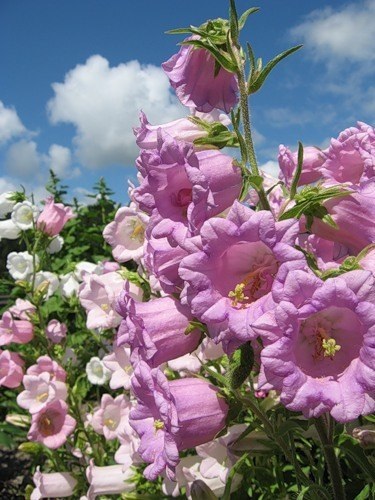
(229, 290)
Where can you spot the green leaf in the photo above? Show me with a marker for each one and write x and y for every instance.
(358, 456)
(242, 20)
(178, 31)
(233, 20)
(240, 365)
(237, 465)
(257, 83)
(314, 491)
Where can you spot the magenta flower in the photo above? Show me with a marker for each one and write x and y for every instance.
(52, 485)
(11, 369)
(46, 364)
(56, 331)
(227, 284)
(167, 244)
(52, 425)
(173, 416)
(185, 186)
(328, 254)
(191, 73)
(319, 349)
(53, 217)
(16, 331)
(313, 159)
(155, 330)
(354, 214)
(351, 157)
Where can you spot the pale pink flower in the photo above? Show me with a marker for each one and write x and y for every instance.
(112, 416)
(40, 390)
(119, 364)
(56, 331)
(98, 296)
(16, 331)
(52, 485)
(22, 309)
(52, 425)
(11, 369)
(46, 364)
(53, 217)
(126, 234)
(109, 480)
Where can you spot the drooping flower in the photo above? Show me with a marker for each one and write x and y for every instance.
(313, 159)
(126, 234)
(13, 330)
(319, 350)
(108, 480)
(155, 330)
(112, 417)
(228, 283)
(351, 157)
(52, 485)
(118, 362)
(97, 372)
(46, 364)
(53, 217)
(52, 425)
(40, 390)
(21, 264)
(56, 331)
(192, 74)
(11, 369)
(173, 416)
(24, 214)
(69, 285)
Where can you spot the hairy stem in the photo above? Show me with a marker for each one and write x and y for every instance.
(333, 464)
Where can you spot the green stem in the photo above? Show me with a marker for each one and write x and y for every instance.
(333, 464)
(270, 431)
(245, 112)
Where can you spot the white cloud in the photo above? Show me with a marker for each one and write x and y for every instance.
(7, 185)
(345, 33)
(271, 167)
(22, 159)
(59, 159)
(103, 103)
(10, 124)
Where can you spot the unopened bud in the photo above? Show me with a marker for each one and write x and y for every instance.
(42, 289)
(365, 435)
(31, 448)
(18, 420)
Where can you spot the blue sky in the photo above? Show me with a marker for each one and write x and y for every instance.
(74, 73)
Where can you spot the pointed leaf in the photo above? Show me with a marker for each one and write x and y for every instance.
(297, 173)
(245, 15)
(257, 84)
(233, 20)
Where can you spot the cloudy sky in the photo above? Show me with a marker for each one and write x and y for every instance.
(75, 73)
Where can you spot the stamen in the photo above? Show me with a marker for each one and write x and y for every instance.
(237, 294)
(110, 423)
(158, 424)
(42, 397)
(138, 232)
(330, 347)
